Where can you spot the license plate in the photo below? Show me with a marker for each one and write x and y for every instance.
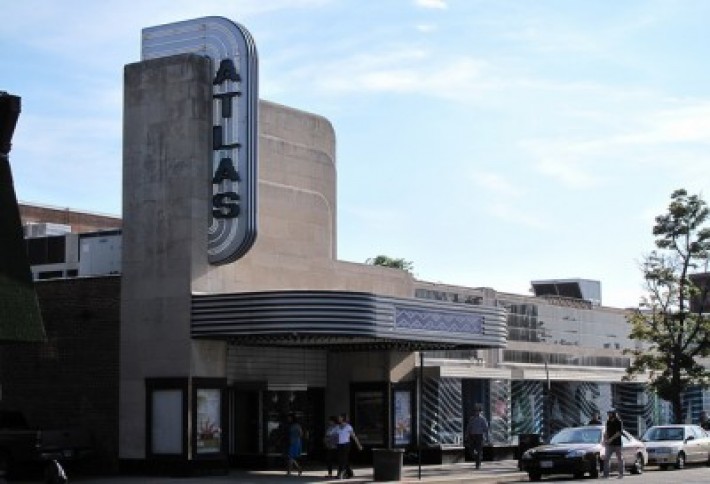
(545, 464)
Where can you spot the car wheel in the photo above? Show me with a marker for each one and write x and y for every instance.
(578, 475)
(594, 471)
(663, 467)
(534, 476)
(637, 467)
(680, 461)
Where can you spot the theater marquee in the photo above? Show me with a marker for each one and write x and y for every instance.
(233, 157)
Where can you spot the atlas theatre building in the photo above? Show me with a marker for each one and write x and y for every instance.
(235, 309)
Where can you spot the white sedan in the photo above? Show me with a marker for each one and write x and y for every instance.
(675, 445)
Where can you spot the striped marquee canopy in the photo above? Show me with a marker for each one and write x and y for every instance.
(345, 321)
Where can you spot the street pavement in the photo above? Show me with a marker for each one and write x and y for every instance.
(490, 472)
(505, 471)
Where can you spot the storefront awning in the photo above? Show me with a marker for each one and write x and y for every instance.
(345, 320)
(568, 373)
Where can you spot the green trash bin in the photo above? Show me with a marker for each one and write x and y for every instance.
(387, 464)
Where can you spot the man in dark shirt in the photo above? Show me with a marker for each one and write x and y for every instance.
(476, 431)
(612, 442)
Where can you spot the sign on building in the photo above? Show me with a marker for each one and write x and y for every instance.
(233, 157)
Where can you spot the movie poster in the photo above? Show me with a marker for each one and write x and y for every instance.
(402, 417)
(209, 430)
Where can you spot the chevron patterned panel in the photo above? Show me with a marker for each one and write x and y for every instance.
(500, 412)
(527, 407)
(450, 322)
(442, 414)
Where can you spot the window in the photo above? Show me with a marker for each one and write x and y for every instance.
(369, 412)
(166, 415)
(209, 421)
(46, 250)
(49, 275)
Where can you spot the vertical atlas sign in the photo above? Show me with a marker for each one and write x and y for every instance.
(233, 157)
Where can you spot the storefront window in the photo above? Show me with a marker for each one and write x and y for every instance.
(368, 415)
(277, 406)
(166, 420)
(209, 427)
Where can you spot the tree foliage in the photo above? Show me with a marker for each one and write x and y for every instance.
(386, 261)
(670, 325)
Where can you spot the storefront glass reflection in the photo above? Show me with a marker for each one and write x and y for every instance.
(277, 406)
(368, 415)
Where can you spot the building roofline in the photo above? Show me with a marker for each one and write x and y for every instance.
(68, 209)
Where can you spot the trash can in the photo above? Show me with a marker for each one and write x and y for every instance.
(387, 464)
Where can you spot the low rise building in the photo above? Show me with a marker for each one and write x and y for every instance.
(187, 364)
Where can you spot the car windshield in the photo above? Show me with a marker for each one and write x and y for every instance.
(655, 434)
(577, 436)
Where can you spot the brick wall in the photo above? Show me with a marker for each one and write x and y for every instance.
(80, 222)
(72, 379)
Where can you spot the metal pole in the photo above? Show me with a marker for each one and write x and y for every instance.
(547, 402)
(420, 400)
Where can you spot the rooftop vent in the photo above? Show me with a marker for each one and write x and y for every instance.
(582, 289)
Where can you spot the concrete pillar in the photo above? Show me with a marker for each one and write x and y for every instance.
(166, 156)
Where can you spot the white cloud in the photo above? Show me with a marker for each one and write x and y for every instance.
(687, 123)
(504, 210)
(568, 172)
(426, 28)
(496, 184)
(503, 199)
(407, 71)
(436, 4)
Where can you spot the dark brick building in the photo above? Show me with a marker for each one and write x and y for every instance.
(72, 379)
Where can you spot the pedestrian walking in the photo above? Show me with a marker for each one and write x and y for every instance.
(295, 445)
(704, 420)
(345, 434)
(330, 442)
(476, 432)
(613, 443)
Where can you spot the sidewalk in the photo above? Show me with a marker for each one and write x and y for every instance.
(490, 472)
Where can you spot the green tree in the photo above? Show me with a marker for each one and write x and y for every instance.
(673, 334)
(386, 261)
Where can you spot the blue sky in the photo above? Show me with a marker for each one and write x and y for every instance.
(490, 142)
